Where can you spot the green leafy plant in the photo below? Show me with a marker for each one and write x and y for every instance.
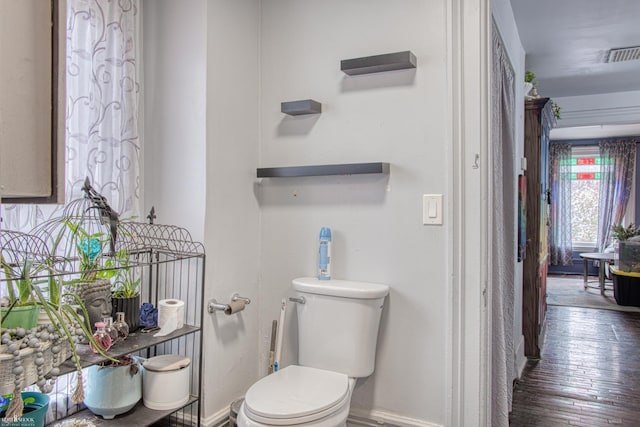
(67, 320)
(556, 110)
(18, 281)
(126, 283)
(89, 250)
(622, 233)
(530, 77)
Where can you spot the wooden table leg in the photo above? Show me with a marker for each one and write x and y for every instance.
(585, 263)
(601, 277)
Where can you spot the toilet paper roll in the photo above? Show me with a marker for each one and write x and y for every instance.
(234, 307)
(170, 316)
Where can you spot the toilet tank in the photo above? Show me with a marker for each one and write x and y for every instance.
(338, 324)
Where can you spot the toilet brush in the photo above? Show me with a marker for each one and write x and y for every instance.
(274, 328)
(280, 337)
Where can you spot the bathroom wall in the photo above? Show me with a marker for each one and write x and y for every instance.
(174, 80)
(200, 152)
(232, 239)
(397, 117)
(259, 234)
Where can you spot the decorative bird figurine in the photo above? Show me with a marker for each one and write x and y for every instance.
(152, 215)
(107, 215)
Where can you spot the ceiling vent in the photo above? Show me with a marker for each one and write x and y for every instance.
(624, 54)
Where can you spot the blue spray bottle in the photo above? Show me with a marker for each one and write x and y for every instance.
(324, 254)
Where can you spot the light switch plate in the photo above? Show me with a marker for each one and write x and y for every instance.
(432, 209)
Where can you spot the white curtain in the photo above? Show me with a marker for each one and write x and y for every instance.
(503, 232)
(560, 245)
(102, 140)
(617, 166)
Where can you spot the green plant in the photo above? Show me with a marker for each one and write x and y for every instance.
(26, 281)
(126, 284)
(530, 77)
(89, 249)
(21, 277)
(556, 110)
(67, 322)
(18, 281)
(622, 233)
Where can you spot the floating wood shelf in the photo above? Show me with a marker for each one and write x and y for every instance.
(298, 108)
(379, 63)
(320, 170)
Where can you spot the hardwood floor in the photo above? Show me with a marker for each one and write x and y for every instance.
(588, 373)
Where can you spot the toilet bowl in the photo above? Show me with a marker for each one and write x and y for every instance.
(338, 323)
(298, 396)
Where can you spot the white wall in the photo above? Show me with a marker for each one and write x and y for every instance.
(505, 21)
(246, 58)
(201, 150)
(174, 64)
(619, 108)
(232, 238)
(397, 117)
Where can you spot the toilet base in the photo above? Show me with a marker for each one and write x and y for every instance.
(335, 419)
(338, 419)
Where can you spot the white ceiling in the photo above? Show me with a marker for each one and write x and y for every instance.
(567, 41)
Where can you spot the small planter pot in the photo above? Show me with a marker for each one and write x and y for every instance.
(34, 412)
(112, 390)
(131, 309)
(25, 316)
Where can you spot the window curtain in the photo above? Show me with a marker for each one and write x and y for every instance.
(617, 165)
(102, 89)
(560, 215)
(503, 232)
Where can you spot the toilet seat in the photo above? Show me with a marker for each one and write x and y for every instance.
(296, 395)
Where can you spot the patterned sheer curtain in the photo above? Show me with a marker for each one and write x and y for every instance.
(617, 165)
(503, 232)
(102, 140)
(560, 215)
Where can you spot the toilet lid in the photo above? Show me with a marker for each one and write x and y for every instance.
(296, 391)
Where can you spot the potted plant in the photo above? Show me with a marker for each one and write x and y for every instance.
(113, 387)
(35, 409)
(92, 285)
(33, 354)
(18, 307)
(622, 233)
(125, 295)
(530, 83)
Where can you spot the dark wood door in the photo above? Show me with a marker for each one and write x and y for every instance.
(538, 122)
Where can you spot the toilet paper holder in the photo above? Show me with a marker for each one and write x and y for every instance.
(214, 305)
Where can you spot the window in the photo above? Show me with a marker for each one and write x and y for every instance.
(585, 191)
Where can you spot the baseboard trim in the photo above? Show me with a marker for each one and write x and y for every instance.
(359, 417)
(218, 419)
(375, 418)
(521, 360)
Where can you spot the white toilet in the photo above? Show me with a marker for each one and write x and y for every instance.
(337, 332)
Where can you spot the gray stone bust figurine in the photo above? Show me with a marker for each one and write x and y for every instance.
(96, 297)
